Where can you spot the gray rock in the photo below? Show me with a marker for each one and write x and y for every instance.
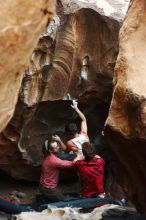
(122, 213)
(111, 8)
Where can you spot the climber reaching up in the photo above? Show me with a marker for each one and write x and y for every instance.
(78, 138)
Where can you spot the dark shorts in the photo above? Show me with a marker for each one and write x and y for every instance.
(51, 195)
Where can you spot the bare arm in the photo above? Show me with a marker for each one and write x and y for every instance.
(82, 117)
(77, 157)
(71, 146)
(58, 139)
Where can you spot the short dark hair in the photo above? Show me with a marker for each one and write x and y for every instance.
(71, 128)
(88, 150)
(46, 146)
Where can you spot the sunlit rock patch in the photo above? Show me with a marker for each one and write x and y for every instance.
(111, 8)
(106, 212)
(21, 23)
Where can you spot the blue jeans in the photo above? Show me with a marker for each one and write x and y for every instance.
(80, 203)
(66, 156)
(12, 208)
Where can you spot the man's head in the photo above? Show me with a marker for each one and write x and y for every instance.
(88, 150)
(71, 128)
(50, 147)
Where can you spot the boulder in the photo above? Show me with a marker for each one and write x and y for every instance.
(21, 24)
(66, 64)
(125, 127)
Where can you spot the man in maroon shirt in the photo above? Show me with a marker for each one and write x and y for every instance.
(51, 166)
(91, 172)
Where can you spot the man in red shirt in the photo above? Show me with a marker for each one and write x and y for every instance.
(91, 172)
(51, 166)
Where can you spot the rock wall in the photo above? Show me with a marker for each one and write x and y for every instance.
(74, 60)
(126, 124)
(21, 23)
(61, 60)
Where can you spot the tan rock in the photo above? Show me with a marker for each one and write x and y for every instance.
(79, 65)
(21, 23)
(126, 123)
(63, 67)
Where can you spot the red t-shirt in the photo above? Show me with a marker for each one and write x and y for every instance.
(91, 175)
(51, 169)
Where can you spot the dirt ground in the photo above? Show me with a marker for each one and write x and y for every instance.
(29, 190)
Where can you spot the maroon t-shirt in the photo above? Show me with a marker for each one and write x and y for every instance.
(91, 175)
(51, 169)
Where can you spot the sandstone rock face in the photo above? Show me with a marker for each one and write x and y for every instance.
(21, 23)
(74, 60)
(65, 70)
(126, 124)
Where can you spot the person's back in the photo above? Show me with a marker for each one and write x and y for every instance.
(91, 176)
(78, 141)
(91, 172)
(75, 143)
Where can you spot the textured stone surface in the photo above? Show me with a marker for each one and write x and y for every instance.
(111, 8)
(106, 212)
(56, 72)
(74, 61)
(21, 23)
(64, 69)
(127, 116)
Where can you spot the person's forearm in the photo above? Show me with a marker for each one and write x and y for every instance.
(76, 158)
(63, 146)
(81, 115)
